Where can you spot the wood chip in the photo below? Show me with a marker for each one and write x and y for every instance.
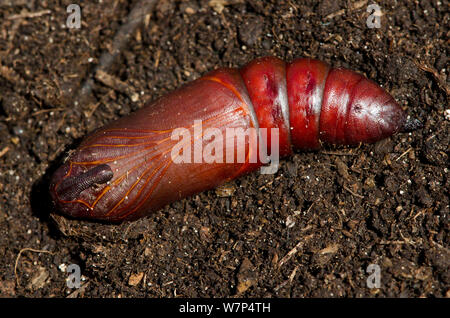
(135, 279)
(246, 277)
(226, 190)
(39, 279)
(331, 249)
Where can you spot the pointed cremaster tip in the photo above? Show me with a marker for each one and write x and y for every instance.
(411, 124)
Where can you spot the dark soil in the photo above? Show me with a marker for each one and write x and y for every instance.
(311, 230)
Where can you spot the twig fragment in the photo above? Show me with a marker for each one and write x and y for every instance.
(137, 15)
(26, 14)
(355, 6)
(294, 251)
(441, 79)
(289, 280)
(4, 151)
(116, 84)
(404, 154)
(353, 193)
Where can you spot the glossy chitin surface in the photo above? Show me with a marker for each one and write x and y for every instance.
(356, 110)
(138, 147)
(265, 79)
(306, 80)
(127, 169)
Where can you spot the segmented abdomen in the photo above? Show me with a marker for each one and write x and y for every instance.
(127, 170)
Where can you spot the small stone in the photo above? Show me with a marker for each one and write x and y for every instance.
(447, 114)
(189, 10)
(18, 130)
